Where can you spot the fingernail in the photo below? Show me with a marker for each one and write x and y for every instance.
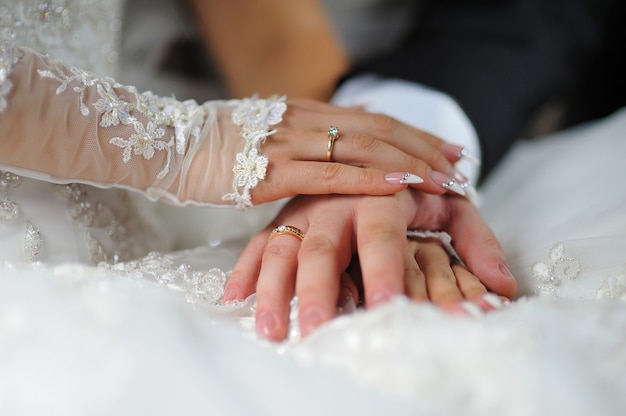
(458, 176)
(446, 182)
(469, 156)
(452, 151)
(493, 300)
(266, 323)
(230, 294)
(472, 309)
(310, 319)
(402, 177)
(504, 269)
(379, 298)
(465, 184)
(347, 304)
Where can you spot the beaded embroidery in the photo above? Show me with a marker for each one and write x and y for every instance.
(204, 286)
(561, 268)
(9, 55)
(149, 137)
(255, 117)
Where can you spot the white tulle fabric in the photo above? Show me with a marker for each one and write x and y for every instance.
(106, 134)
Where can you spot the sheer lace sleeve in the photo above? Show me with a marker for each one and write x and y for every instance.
(64, 124)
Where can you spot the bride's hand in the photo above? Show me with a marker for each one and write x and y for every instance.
(371, 155)
(309, 147)
(335, 228)
(219, 153)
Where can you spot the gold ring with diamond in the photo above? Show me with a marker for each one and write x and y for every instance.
(286, 229)
(333, 134)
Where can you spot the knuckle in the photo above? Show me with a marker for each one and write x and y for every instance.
(384, 124)
(442, 276)
(316, 245)
(365, 142)
(330, 172)
(492, 243)
(275, 250)
(378, 233)
(412, 270)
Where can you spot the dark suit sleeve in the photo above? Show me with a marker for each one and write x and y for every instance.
(499, 59)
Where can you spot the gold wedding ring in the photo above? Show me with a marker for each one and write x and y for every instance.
(333, 134)
(286, 229)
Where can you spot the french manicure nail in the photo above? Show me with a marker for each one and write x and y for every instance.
(446, 182)
(472, 309)
(493, 300)
(458, 176)
(266, 323)
(469, 156)
(402, 177)
(451, 151)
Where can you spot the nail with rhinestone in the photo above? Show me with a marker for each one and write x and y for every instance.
(403, 178)
(446, 182)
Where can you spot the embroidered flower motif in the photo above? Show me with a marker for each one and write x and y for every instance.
(250, 168)
(255, 117)
(158, 112)
(9, 55)
(114, 110)
(561, 267)
(144, 142)
(613, 288)
(32, 242)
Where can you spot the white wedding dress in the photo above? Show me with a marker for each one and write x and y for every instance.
(84, 332)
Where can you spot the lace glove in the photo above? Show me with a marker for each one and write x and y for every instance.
(63, 124)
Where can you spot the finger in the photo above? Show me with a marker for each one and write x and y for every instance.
(362, 150)
(452, 152)
(470, 286)
(243, 278)
(310, 125)
(440, 279)
(323, 257)
(366, 121)
(479, 248)
(381, 238)
(473, 290)
(315, 178)
(414, 279)
(275, 286)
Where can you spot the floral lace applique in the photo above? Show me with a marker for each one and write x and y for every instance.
(613, 288)
(197, 286)
(93, 215)
(561, 268)
(9, 56)
(255, 117)
(148, 114)
(61, 28)
(32, 242)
